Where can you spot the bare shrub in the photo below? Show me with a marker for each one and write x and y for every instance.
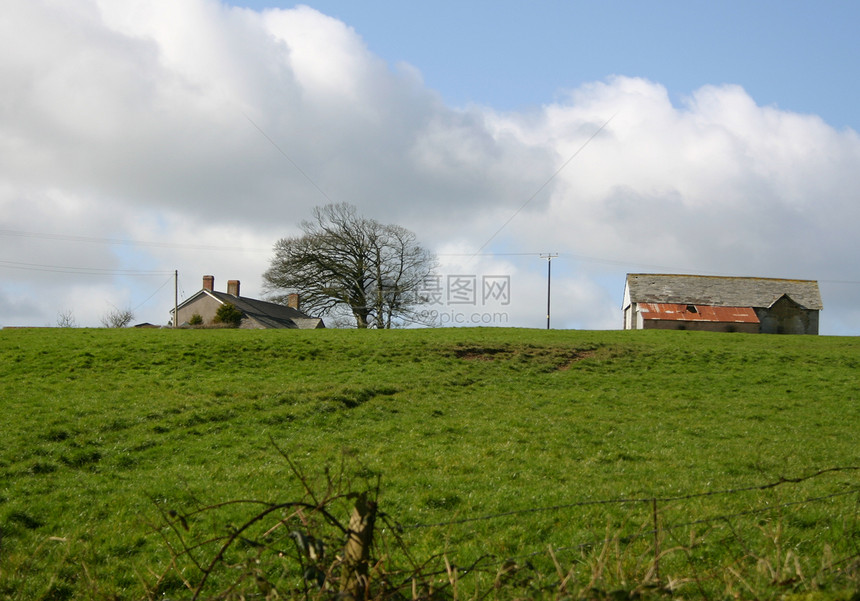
(66, 319)
(117, 318)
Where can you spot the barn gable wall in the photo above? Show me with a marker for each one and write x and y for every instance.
(787, 317)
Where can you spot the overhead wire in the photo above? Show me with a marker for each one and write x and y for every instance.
(531, 198)
(157, 290)
(546, 183)
(136, 272)
(82, 270)
(124, 242)
(154, 244)
(138, 243)
(286, 156)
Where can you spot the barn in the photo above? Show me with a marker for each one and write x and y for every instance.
(721, 304)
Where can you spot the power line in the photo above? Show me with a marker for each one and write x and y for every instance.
(154, 244)
(488, 254)
(81, 270)
(157, 290)
(627, 264)
(546, 183)
(123, 242)
(286, 156)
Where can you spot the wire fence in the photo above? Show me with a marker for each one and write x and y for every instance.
(655, 507)
(722, 518)
(656, 499)
(733, 541)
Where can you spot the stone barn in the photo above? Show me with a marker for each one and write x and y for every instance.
(721, 304)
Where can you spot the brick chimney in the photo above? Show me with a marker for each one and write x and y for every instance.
(293, 301)
(209, 282)
(233, 287)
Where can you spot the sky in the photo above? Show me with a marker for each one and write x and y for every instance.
(144, 138)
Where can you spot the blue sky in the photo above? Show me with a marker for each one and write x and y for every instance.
(143, 137)
(799, 56)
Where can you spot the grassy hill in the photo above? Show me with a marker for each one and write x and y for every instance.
(640, 459)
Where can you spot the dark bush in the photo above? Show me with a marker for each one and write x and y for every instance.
(229, 315)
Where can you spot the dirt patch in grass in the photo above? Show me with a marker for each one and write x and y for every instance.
(575, 357)
(475, 353)
(547, 358)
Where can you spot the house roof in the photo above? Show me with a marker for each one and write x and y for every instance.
(703, 313)
(271, 315)
(720, 291)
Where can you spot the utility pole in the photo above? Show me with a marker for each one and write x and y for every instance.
(549, 257)
(175, 298)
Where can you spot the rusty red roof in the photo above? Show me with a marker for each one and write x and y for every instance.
(675, 312)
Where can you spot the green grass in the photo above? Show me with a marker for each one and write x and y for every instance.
(104, 429)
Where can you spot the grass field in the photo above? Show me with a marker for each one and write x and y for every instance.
(109, 435)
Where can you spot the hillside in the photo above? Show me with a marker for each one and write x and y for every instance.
(108, 435)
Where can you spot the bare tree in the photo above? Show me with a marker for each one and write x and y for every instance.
(401, 267)
(117, 318)
(66, 319)
(345, 262)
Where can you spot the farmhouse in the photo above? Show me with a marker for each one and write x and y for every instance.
(721, 304)
(256, 314)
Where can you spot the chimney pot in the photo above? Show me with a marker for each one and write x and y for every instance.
(209, 282)
(233, 287)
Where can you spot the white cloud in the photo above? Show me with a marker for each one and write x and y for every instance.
(194, 125)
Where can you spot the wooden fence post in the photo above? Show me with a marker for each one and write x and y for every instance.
(354, 577)
(656, 540)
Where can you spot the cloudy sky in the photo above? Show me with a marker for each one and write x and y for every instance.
(141, 137)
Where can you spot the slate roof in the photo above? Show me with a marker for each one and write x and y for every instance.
(271, 315)
(720, 291)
